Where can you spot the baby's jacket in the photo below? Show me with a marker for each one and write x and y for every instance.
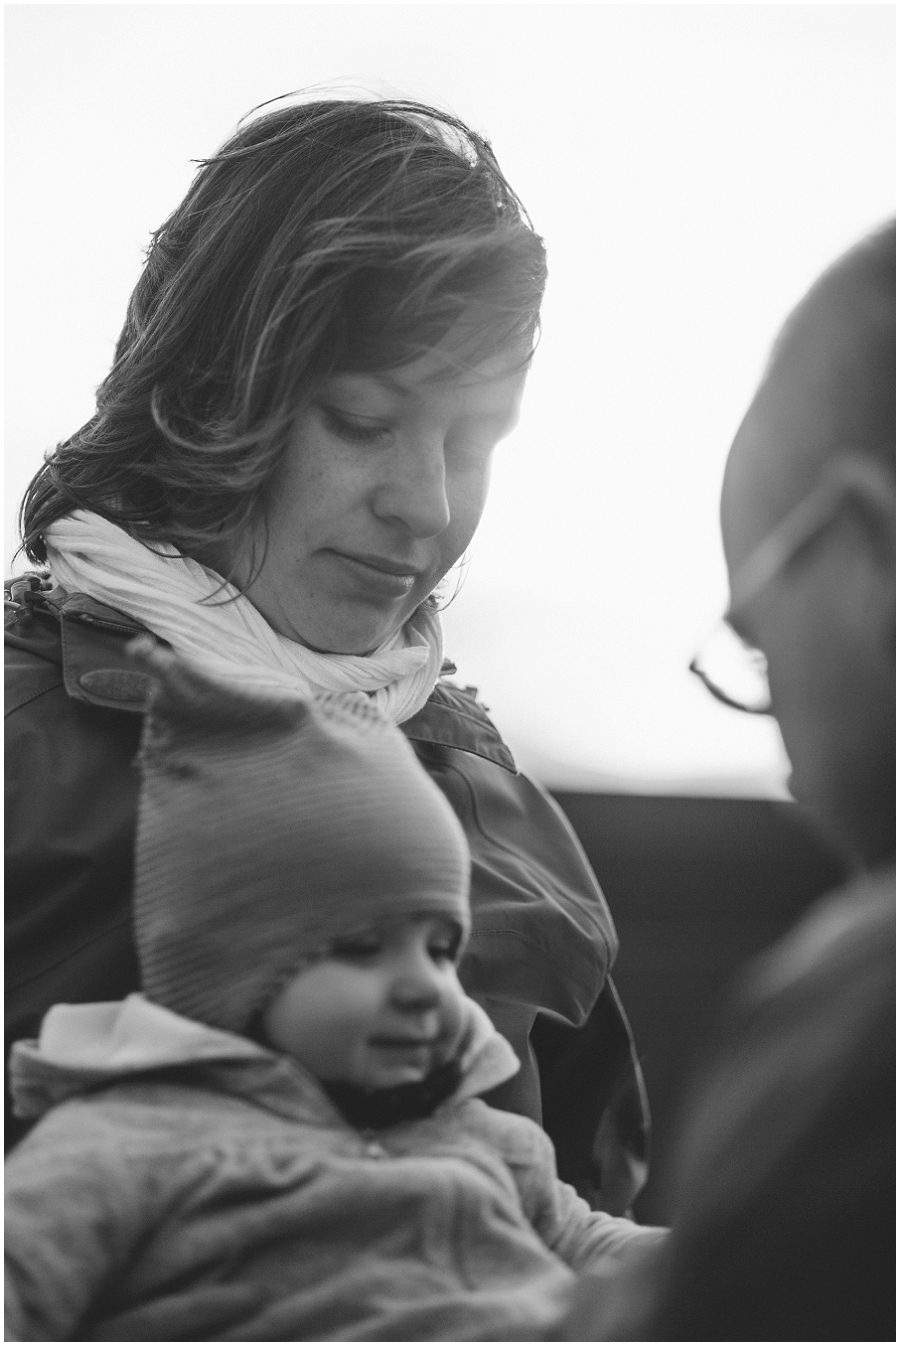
(188, 1184)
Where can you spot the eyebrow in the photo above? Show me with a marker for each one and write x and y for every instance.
(384, 380)
(387, 380)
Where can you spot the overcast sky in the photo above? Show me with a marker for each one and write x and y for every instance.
(692, 168)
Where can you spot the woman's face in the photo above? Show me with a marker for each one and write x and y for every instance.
(378, 494)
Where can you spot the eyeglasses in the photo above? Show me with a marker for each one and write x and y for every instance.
(733, 670)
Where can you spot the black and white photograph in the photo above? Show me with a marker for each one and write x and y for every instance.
(450, 628)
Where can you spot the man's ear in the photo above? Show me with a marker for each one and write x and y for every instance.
(868, 490)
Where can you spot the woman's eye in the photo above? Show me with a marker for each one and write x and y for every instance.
(354, 432)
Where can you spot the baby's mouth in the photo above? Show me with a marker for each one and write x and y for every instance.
(402, 1044)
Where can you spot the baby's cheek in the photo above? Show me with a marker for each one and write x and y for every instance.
(454, 1024)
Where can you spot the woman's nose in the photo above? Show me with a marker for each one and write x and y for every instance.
(413, 490)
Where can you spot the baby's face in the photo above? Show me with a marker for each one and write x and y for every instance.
(383, 1006)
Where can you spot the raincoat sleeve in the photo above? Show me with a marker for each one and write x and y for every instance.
(75, 1210)
(586, 1240)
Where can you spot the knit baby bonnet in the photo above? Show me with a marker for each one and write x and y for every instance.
(267, 825)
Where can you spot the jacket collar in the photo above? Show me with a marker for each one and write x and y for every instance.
(82, 1047)
(97, 670)
(453, 717)
(96, 667)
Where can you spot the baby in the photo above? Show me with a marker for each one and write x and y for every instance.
(281, 1138)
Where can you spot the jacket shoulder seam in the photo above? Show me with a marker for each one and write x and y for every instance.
(120, 923)
(33, 696)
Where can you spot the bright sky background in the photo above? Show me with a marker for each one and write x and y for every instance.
(692, 168)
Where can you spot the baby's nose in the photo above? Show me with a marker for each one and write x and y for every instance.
(415, 991)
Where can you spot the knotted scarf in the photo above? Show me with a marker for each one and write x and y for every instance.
(210, 622)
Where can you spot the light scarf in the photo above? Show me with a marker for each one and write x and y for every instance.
(166, 592)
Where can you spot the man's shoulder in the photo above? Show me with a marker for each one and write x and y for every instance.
(842, 950)
(828, 980)
(784, 1173)
(802, 1061)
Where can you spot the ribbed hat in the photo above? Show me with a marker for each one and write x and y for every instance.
(268, 824)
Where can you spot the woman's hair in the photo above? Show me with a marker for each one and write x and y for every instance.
(324, 237)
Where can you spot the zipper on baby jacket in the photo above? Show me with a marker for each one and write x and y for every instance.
(372, 1146)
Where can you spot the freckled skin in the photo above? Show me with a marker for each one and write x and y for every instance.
(379, 1008)
(389, 468)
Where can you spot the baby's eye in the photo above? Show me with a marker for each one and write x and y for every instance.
(444, 951)
(356, 949)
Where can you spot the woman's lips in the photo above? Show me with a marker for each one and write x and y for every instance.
(379, 574)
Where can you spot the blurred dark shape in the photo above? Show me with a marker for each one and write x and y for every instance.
(696, 887)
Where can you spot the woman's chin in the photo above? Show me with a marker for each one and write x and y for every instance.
(353, 635)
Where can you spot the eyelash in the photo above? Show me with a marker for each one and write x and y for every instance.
(357, 952)
(350, 431)
(468, 450)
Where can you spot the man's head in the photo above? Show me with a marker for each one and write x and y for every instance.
(821, 429)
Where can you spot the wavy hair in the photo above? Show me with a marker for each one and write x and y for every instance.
(324, 236)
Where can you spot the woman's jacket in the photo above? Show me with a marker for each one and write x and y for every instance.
(542, 943)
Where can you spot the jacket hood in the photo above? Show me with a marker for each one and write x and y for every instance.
(82, 1047)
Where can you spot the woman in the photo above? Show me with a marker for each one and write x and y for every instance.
(289, 454)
